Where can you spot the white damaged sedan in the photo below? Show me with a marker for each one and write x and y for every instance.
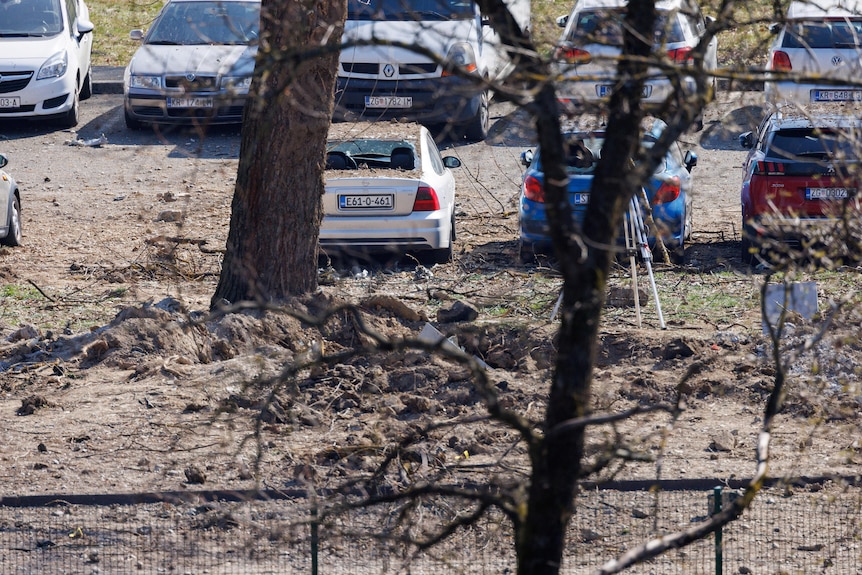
(10, 208)
(388, 189)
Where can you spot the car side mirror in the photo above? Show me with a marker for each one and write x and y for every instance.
(84, 27)
(527, 157)
(562, 21)
(746, 140)
(451, 162)
(690, 160)
(775, 27)
(3, 161)
(136, 35)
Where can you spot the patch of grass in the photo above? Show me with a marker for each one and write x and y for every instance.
(114, 19)
(20, 292)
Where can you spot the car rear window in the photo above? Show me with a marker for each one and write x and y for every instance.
(810, 144)
(410, 9)
(824, 34)
(374, 153)
(606, 27)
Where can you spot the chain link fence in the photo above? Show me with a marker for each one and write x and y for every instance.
(806, 529)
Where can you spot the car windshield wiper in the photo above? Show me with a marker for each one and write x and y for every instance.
(818, 155)
(164, 43)
(22, 34)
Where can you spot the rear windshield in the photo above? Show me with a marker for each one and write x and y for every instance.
(410, 10)
(207, 22)
(371, 153)
(824, 34)
(810, 144)
(30, 18)
(606, 27)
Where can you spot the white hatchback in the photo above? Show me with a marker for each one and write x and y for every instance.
(45, 48)
(387, 190)
(815, 54)
(587, 52)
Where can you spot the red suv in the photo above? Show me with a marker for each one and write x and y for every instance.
(800, 184)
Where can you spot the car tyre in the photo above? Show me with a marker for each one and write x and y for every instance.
(87, 88)
(477, 128)
(13, 237)
(132, 123)
(678, 255)
(70, 119)
(526, 254)
(748, 250)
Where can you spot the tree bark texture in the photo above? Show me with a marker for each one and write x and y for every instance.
(271, 250)
(585, 257)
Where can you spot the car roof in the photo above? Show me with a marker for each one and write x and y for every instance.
(409, 131)
(832, 115)
(660, 4)
(823, 8)
(178, 1)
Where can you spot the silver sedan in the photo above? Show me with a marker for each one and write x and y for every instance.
(387, 189)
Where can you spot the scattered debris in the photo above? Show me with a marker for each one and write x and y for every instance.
(92, 143)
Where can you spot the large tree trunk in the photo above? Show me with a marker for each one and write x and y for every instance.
(557, 458)
(271, 250)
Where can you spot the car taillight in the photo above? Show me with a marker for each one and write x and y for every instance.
(769, 168)
(573, 55)
(533, 189)
(781, 61)
(680, 55)
(426, 200)
(668, 191)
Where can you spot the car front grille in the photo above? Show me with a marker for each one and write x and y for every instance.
(192, 83)
(403, 69)
(14, 81)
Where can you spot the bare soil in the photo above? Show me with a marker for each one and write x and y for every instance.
(112, 378)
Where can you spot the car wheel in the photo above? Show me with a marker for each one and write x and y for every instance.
(132, 123)
(526, 254)
(13, 237)
(678, 255)
(87, 88)
(70, 119)
(477, 128)
(748, 250)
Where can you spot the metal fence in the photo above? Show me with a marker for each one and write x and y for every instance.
(799, 530)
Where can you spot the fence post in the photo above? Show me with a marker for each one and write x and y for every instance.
(314, 540)
(716, 508)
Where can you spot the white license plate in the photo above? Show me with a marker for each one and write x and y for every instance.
(837, 95)
(605, 90)
(190, 102)
(582, 199)
(366, 202)
(10, 102)
(388, 102)
(827, 193)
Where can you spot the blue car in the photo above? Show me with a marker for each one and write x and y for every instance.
(669, 193)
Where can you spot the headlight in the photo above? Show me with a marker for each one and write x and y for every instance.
(461, 56)
(239, 84)
(54, 67)
(146, 82)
